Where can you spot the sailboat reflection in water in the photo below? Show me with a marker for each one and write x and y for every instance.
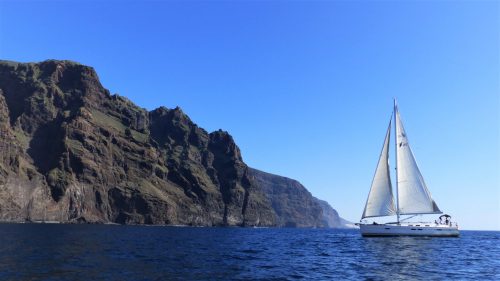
(412, 196)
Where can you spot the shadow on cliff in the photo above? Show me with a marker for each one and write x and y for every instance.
(46, 149)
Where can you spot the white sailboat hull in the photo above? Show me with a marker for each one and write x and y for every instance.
(431, 230)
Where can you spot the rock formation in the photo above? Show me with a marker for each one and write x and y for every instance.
(294, 204)
(72, 152)
(331, 217)
(291, 201)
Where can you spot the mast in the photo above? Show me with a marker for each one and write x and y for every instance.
(396, 156)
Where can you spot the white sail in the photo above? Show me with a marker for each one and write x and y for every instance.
(380, 201)
(413, 195)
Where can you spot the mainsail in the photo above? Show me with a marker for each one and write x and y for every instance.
(380, 201)
(413, 196)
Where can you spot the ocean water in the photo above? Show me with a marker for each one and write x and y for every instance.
(112, 252)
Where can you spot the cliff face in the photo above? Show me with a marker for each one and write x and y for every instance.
(331, 217)
(71, 151)
(294, 205)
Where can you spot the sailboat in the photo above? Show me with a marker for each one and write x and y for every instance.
(412, 196)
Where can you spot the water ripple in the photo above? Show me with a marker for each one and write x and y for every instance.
(99, 252)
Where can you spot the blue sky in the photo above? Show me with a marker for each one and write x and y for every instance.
(305, 88)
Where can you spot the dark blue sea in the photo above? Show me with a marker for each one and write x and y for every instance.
(109, 252)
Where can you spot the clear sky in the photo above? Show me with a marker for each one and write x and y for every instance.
(305, 88)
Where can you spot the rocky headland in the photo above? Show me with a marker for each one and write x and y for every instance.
(72, 152)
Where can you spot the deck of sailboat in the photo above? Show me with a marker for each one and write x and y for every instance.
(409, 229)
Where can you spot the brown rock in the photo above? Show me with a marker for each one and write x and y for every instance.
(72, 152)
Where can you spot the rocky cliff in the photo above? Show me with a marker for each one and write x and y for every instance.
(294, 204)
(331, 217)
(72, 152)
(291, 201)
